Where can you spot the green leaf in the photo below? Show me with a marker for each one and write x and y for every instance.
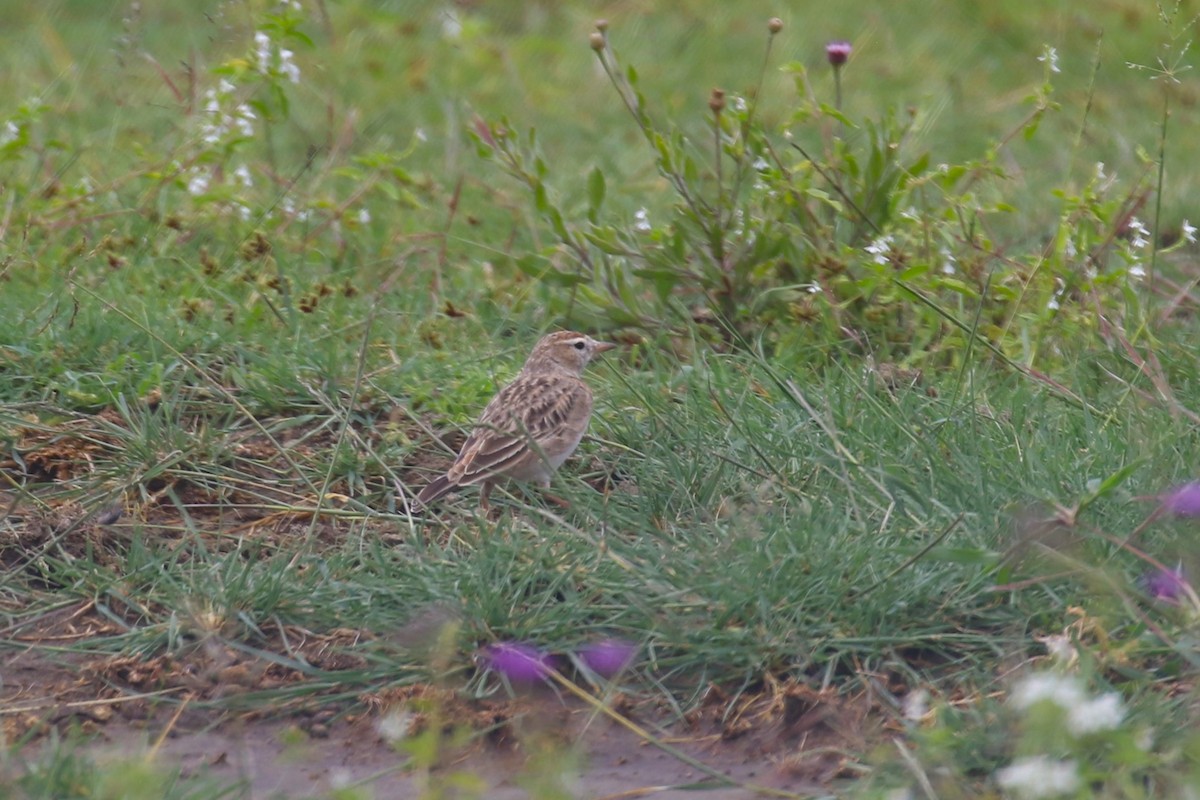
(596, 189)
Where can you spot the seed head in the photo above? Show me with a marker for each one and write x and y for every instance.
(774, 25)
(716, 101)
(602, 25)
(837, 53)
(596, 41)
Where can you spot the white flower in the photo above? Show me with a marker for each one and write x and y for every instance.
(10, 133)
(1189, 230)
(1103, 713)
(761, 164)
(739, 103)
(244, 118)
(1050, 55)
(421, 135)
(287, 66)
(364, 216)
(1100, 171)
(262, 51)
(224, 87)
(1059, 689)
(1060, 648)
(916, 705)
(242, 175)
(948, 262)
(1053, 304)
(395, 725)
(1141, 234)
(1137, 271)
(1069, 248)
(243, 211)
(198, 183)
(1039, 776)
(880, 248)
(641, 221)
(814, 288)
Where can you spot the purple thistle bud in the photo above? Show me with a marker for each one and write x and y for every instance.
(838, 53)
(1183, 501)
(1166, 584)
(608, 657)
(519, 662)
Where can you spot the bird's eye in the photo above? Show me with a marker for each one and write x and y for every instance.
(579, 345)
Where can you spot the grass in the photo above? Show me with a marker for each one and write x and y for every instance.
(250, 388)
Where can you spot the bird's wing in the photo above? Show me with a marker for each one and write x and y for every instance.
(527, 414)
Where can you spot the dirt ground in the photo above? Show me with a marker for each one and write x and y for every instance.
(790, 738)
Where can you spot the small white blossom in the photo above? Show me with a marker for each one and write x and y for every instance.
(1069, 249)
(880, 248)
(1103, 713)
(1039, 776)
(1141, 234)
(1062, 691)
(10, 133)
(1189, 231)
(1137, 271)
(641, 221)
(198, 183)
(1060, 648)
(288, 66)
(910, 214)
(243, 211)
(421, 135)
(242, 176)
(395, 725)
(948, 262)
(1050, 55)
(224, 87)
(364, 216)
(262, 51)
(1100, 171)
(761, 164)
(739, 103)
(244, 118)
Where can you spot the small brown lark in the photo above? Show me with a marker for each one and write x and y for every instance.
(532, 425)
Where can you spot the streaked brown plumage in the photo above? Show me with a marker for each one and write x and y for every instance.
(532, 425)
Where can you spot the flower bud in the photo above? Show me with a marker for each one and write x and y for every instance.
(774, 25)
(596, 41)
(602, 25)
(837, 53)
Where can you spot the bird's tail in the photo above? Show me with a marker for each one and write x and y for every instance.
(435, 489)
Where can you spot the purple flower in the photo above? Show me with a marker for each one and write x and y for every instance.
(1166, 584)
(607, 657)
(837, 53)
(519, 662)
(1183, 501)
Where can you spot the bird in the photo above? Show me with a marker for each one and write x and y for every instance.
(532, 425)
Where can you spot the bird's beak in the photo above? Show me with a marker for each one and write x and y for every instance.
(601, 347)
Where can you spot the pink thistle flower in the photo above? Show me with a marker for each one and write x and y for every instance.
(838, 53)
(608, 657)
(1183, 501)
(1167, 585)
(519, 662)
